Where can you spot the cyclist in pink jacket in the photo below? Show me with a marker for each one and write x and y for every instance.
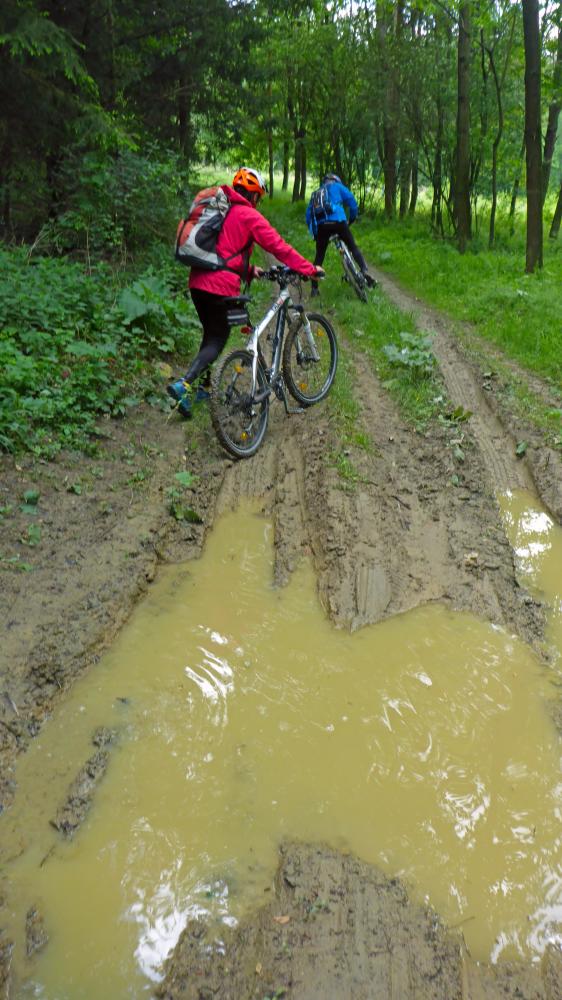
(210, 290)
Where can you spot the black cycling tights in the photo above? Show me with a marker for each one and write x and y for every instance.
(211, 310)
(327, 229)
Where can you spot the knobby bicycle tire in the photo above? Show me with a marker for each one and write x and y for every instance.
(355, 278)
(239, 423)
(308, 380)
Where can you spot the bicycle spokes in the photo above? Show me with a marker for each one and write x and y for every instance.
(239, 407)
(310, 359)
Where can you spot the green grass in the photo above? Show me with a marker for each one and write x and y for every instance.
(520, 313)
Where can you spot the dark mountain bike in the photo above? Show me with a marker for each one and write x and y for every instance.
(351, 272)
(304, 357)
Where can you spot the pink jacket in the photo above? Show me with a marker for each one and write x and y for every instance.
(245, 225)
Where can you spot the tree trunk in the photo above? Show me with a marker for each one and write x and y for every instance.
(184, 115)
(414, 191)
(5, 163)
(515, 191)
(298, 167)
(389, 170)
(390, 100)
(405, 175)
(436, 206)
(270, 154)
(285, 184)
(555, 227)
(534, 254)
(462, 171)
(338, 159)
(112, 87)
(553, 115)
(495, 147)
(302, 186)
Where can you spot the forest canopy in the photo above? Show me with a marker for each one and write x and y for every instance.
(108, 105)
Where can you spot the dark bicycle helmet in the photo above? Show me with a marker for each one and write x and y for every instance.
(331, 177)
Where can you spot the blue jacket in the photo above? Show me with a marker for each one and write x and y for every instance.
(340, 198)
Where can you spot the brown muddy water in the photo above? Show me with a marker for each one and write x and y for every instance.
(423, 744)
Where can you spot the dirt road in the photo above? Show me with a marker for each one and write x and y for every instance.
(413, 527)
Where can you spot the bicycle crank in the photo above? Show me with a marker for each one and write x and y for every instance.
(281, 394)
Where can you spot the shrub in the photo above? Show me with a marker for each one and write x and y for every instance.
(74, 346)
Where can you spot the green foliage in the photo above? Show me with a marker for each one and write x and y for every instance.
(36, 36)
(70, 353)
(32, 536)
(413, 353)
(15, 563)
(110, 206)
(177, 505)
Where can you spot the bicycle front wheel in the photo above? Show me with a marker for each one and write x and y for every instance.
(310, 360)
(239, 421)
(355, 278)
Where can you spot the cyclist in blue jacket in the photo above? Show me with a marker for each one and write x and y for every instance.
(326, 224)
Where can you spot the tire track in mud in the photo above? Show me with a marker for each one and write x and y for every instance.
(402, 536)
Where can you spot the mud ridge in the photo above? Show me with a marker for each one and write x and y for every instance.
(339, 928)
(102, 537)
(403, 534)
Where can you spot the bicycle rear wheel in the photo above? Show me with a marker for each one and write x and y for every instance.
(308, 378)
(355, 277)
(239, 422)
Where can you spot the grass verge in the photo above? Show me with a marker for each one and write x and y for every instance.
(521, 313)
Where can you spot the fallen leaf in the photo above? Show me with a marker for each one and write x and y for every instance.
(282, 920)
(259, 968)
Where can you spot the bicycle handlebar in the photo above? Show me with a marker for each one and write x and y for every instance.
(286, 275)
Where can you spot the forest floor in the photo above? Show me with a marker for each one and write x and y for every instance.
(407, 528)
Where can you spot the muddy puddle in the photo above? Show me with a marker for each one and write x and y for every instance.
(537, 544)
(238, 716)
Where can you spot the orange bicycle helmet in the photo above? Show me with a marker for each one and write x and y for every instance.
(250, 179)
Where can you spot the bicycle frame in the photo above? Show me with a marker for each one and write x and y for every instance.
(278, 310)
(342, 248)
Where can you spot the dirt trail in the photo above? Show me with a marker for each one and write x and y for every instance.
(493, 426)
(410, 528)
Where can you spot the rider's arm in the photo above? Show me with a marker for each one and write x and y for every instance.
(269, 239)
(350, 203)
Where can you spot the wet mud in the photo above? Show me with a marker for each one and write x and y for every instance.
(414, 528)
(339, 928)
(71, 814)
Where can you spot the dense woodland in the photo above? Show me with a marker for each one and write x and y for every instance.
(441, 115)
(107, 105)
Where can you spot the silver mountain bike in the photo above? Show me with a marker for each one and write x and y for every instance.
(303, 361)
